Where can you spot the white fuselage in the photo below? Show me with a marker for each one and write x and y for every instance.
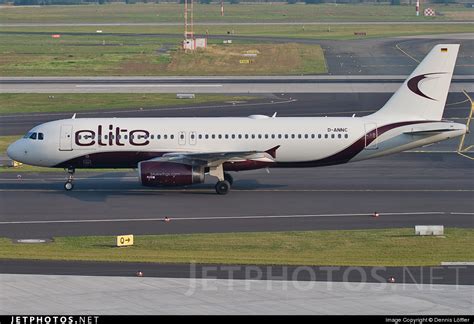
(305, 141)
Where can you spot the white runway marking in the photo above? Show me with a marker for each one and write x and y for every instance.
(161, 219)
(148, 85)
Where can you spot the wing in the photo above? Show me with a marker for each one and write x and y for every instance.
(216, 158)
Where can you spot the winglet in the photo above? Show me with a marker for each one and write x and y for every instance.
(272, 151)
(73, 116)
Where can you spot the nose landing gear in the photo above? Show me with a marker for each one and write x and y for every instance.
(69, 185)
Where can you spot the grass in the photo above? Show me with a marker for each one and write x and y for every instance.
(15, 103)
(386, 247)
(262, 12)
(38, 54)
(86, 55)
(173, 34)
(271, 59)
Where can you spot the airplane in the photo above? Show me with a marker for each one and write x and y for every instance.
(182, 151)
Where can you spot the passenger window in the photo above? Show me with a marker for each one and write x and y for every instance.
(33, 136)
(200, 136)
(339, 135)
(233, 136)
(172, 136)
(259, 135)
(213, 136)
(292, 135)
(246, 136)
(240, 136)
(299, 135)
(332, 135)
(326, 135)
(305, 135)
(165, 136)
(346, 136)
(286, 135)
(319, 136)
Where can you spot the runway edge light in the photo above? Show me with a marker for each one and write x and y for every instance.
(124, 240)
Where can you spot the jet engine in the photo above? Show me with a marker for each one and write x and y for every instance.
(154, 173)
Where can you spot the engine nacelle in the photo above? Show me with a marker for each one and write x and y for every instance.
(169, 174)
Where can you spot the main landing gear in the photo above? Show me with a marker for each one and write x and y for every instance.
(225, 179)
(69, 185)
(222, 187)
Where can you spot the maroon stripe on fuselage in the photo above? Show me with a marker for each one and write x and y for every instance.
(127, 159)
(130, 159)
(348, 153)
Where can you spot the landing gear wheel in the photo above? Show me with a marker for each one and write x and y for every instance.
(223, 187)
(229, 178)
(68, 186)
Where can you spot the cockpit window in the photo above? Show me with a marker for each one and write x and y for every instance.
(34, 135)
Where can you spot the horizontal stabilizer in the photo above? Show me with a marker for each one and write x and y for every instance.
(430, 131)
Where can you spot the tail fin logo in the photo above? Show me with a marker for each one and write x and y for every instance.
(413, 84)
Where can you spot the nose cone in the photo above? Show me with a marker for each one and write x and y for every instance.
(14, 151)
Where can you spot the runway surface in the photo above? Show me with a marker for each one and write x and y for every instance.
(407, 190)
(432, 185)
(52, 294)
(329, 84)
(446, 275)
